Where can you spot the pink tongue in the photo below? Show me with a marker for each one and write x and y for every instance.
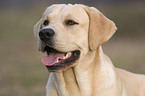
(52, 58)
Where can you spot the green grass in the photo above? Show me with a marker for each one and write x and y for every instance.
(21, 71)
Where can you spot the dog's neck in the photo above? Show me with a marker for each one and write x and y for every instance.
(82, 80)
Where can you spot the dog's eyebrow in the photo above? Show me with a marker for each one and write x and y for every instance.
(71, 17)
(45, 17)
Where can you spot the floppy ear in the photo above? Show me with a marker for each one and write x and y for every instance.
(101, 28)
(37, 27)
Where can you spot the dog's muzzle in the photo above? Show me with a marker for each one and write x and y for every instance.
(56, 60)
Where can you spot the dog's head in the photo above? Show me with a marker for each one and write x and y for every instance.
(67, 33)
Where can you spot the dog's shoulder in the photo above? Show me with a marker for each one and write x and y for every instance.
(129, 75)
(132, 81)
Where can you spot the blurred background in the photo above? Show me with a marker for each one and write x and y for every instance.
(21, 70)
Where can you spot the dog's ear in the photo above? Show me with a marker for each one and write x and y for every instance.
(101, 28)
(37, 27)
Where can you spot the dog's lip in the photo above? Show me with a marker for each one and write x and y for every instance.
(55, 58)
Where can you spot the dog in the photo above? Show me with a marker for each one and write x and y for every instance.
(71, 36)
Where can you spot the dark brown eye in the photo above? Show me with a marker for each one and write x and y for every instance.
(46, 22)
(70, 22)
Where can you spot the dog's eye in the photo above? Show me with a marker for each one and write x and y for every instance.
(70, 22)
(46, 22)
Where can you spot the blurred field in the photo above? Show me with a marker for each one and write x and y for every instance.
(21, 71)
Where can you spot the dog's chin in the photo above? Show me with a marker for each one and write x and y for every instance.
(57, 61)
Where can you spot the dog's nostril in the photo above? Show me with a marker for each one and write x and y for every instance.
(40, 34)
(49, 34)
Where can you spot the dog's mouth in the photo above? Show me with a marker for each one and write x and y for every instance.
(56, 60)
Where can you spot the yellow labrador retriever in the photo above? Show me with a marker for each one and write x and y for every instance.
(72, 35)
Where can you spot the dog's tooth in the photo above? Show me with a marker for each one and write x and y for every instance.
(57, 61)
(64, 57)
(68, 54)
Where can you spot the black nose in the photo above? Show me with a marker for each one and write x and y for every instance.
(46, 34)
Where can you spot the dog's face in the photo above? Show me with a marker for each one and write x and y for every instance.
(64, 32)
